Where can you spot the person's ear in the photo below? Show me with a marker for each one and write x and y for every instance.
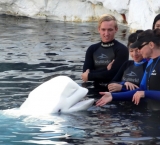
(151, 45)
(116, 29)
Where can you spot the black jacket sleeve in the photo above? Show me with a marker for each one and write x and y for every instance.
(119, 75)
(89, 61)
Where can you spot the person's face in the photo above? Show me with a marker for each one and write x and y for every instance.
(146, 51)
(157, 25)
(135, 54)
(107, 31)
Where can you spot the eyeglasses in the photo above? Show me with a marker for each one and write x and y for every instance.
(140, 47)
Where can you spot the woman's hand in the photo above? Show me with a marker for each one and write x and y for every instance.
(106, 98)
(137, 96)
(130, 86)
(114, 87)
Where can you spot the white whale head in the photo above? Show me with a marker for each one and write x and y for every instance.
(60, 94)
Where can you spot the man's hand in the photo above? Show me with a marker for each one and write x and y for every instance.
(109, 66)
(137, 96)
(84, 76)
(130, 86)
(114, 87)
(106, 98)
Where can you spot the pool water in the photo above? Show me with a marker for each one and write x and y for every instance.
(34, 51)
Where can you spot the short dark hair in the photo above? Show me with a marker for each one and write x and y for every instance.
(155, 20)
(133, 37)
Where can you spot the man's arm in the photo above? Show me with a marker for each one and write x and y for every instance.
(121, 55)
(119, 75)
(89, 62)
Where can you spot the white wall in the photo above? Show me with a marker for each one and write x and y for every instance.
(139, 13)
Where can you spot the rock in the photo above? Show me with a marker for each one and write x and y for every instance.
(137, 14)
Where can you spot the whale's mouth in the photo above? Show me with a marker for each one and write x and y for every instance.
(81, 105)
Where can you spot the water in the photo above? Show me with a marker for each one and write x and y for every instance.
(32, 52)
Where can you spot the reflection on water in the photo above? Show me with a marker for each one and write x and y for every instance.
(32, 52)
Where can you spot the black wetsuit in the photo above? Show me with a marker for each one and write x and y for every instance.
(150, 83)
(130, 72)
(99, 55)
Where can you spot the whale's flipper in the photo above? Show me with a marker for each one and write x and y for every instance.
(60, 94)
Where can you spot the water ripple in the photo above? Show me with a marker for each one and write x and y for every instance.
(34, 51)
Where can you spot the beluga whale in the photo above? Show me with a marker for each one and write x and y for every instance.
(59, 94)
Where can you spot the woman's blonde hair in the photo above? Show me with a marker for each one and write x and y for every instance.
(107, 17)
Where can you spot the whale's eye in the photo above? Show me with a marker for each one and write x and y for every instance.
(59, 110)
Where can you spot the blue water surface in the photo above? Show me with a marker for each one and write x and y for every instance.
(34, 51)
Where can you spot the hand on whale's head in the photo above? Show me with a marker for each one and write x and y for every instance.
(60, 94)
